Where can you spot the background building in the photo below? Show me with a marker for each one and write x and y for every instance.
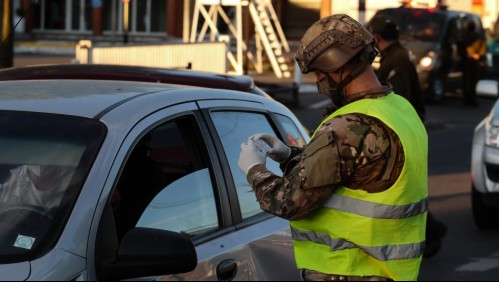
(157, 19)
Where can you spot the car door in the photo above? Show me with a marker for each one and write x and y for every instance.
(164, 178)
(267, 240)
(176, 176)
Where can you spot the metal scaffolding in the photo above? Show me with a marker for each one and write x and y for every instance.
(269, 36)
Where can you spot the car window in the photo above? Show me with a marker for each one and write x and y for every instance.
(234, 128)
(166, 183)
(44, 161)
(186, 205)
(294, 137)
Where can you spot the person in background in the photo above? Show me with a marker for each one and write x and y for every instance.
(357, 194)
(397, 68)
(396, 65)
(476, 49)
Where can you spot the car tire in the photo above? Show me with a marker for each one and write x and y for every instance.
(436, 89)
(485, 216)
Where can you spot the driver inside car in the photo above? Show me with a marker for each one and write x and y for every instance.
(37, 185)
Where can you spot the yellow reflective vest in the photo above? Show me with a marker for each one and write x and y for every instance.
(357, 233)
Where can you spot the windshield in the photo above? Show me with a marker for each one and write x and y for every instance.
(44, 161)
(417, 24)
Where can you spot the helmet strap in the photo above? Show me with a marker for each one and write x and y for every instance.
(364, 59)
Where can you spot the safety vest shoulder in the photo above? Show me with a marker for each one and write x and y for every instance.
(364, 234)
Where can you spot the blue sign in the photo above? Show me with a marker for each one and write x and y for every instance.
(96, 3)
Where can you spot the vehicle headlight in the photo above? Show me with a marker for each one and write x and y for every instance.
(491, 134)
(427, 61)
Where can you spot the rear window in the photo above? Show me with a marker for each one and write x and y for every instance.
(44, 162)
(417, 24)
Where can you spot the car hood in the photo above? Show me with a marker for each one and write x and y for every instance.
(419, 48)
(15, 271)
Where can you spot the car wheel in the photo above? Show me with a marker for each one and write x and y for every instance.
(437, 89)
(485, 216)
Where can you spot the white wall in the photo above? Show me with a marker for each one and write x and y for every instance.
(460, 5)
(351, 8)
(491, 13)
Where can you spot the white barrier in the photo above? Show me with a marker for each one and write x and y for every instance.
(205, 56)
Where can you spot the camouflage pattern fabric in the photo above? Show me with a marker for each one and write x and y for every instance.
(356, 155)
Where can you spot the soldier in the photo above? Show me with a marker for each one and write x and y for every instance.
(396, 67)
(356, 195)
(474, 61)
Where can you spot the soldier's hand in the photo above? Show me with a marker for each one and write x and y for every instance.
(249, 156)
(280, 152)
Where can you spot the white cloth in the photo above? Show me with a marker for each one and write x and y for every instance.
(20, 188)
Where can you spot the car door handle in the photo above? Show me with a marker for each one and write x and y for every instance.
(227, 270)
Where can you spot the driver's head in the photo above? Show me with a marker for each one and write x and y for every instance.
(44, 171)
(44, 176)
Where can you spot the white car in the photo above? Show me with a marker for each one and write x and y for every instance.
(485, 161)
(106, 180)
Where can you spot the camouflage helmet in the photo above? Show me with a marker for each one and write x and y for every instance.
(332, 42)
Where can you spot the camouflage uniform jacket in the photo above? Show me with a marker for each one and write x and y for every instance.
(357, 157)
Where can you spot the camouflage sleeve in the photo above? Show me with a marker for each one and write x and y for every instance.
(293, 159)
(349, 143)
(282, 196)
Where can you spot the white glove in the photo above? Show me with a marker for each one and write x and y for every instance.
(249, 156)
(280, 152)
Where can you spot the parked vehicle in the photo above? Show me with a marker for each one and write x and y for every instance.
(434, 37)
(142, 164)
(485, 161)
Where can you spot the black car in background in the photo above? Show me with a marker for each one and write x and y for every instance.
(435, 38)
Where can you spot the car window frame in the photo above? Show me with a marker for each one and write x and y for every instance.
(138, 131)
(250, 107)
(197, 150)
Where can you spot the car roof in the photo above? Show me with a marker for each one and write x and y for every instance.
(92, 98)
(130, 73)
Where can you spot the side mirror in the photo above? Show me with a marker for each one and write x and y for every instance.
(147, 252)
(487, 88)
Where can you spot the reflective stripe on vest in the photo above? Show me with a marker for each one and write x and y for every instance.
(369, 209)
(382, 253)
